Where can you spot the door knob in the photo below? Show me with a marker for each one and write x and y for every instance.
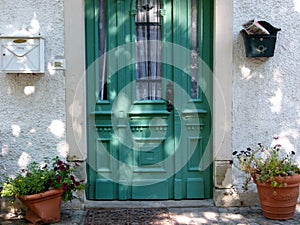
(169, 97)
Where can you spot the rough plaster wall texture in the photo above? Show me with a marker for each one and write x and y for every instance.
(32, 115)
(266, 96)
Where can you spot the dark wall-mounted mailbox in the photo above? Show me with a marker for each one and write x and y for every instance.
(261, 45)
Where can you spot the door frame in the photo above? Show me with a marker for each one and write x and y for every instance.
(76, 132)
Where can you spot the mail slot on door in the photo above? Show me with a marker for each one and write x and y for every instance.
(22, 55)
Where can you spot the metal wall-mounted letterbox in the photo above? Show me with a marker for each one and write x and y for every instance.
(261, 45)
(22, 54)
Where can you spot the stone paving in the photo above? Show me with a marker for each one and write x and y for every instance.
(174, 215)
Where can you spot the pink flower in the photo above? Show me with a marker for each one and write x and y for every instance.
(58, 179)
(61, 167)
(65, 186)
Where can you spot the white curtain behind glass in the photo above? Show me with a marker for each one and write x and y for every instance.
(148, 67)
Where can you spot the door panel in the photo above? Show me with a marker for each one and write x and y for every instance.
(149, 118)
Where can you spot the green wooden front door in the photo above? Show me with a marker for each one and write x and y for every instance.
(149, 99)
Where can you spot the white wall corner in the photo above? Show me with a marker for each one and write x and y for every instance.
(222, 85)
(75, 79)
(222, 105)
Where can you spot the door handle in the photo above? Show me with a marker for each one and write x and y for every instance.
(169, 97)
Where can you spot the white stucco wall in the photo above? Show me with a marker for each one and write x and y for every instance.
(32, 116)
(266, 91)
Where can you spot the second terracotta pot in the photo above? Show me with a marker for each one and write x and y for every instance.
(279, 203)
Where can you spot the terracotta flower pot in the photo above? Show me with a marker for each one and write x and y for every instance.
(279, 203)
(43, 207)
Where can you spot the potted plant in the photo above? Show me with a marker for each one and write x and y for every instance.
(276, 174)
(42, 187)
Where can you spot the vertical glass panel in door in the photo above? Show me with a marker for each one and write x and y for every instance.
(148, 50)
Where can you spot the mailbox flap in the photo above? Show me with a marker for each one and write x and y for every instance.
(20, 50)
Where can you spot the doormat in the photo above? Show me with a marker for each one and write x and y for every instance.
(126, 216)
